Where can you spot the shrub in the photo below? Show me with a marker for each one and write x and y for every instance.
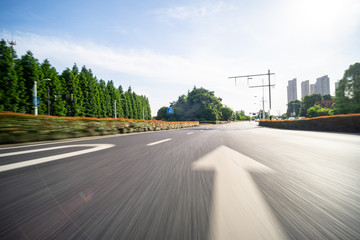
(316, 111)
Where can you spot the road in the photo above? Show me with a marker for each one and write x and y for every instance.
(233, 181)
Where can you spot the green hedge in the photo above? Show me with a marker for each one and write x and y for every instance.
(16, 128)
(335, 123)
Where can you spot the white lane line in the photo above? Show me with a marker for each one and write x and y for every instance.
(161, 141)
(95, 147)
(190, 133)
(44, 149)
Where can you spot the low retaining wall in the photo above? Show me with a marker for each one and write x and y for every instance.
(16, 128)
(335, 123)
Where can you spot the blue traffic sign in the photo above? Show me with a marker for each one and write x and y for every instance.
(170, 110)
(36, 100)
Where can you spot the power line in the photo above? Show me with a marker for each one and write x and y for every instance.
(256, 75)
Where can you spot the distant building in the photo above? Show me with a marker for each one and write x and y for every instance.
(336, 84)
(305, 89)
(312, 88)
(322, 85)
(292, 90)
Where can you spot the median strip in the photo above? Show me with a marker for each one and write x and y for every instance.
(161, 141)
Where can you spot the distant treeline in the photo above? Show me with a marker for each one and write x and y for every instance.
(202, 105)
(73, 93)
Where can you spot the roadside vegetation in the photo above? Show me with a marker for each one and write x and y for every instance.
(74, 92)
(17, 127)
(202, 105)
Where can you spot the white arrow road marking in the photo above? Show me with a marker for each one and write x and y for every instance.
(239, 211)
(161, 141)
(190, 133)
(95, 147)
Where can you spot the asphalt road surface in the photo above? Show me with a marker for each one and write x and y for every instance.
(233, 181)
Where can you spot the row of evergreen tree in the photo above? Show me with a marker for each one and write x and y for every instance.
(72, 93)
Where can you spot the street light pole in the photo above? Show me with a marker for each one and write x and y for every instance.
(115, 108)
(263, 107)
(294, 112)
(35, 97)
(48, 100)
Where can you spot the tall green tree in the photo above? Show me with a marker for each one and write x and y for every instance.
(122, 103)
(309, 101)
(104, 104)
(226, 113)
(73, 93)
(148, 116)
(27, 69)
(180, 107)
(138, 108)
(114, 94)
(91, 91)
(294, 108)
(347, 99)
(129, 103)
(9, 98)
(146, 107)
(119, 102)
(203, 105)
(162, 114)
(57, 104)
(241, 116)
(85, 89)
(199, 104)
(125, 102)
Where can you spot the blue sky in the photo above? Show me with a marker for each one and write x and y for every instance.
(163, 48)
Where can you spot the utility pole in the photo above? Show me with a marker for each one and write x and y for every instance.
(257, 75)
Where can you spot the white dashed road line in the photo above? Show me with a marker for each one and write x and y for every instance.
(161, 141)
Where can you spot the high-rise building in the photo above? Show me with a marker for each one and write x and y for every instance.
(322, 85)
(305, 89)
(292, 90)
(336, 84)
(312, 88)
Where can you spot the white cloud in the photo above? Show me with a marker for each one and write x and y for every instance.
(192, 11)
(150, 67)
